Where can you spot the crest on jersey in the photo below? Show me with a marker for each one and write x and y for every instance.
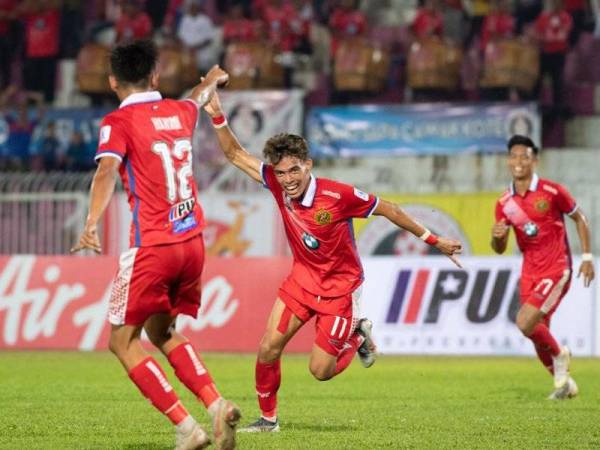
(323, 217)
(362, 195)
(542, 205)
(310, 241)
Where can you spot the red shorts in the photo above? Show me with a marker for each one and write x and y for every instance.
(157, 279)
(545, 292)
(337, 317)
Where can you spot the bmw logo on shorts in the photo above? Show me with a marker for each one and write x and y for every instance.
(310, 241)
(530, 229)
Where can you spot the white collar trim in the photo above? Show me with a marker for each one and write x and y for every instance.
(141, 97)
(309, 197)
(532, 186)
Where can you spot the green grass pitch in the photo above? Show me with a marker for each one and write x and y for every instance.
(62, 400)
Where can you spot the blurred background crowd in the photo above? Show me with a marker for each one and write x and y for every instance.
(53, 54)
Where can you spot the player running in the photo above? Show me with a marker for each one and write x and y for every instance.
(535, 208)
(148, 141)
(326, 275)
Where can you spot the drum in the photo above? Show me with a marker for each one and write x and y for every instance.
(360, 66)
(93, 69)
(434, 64)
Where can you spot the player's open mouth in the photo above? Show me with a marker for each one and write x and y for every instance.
(292, 189)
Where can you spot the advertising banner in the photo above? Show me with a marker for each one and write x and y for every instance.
(418, 305)
(418, 129)
(429, 306)
(62, 303)
(466, 217)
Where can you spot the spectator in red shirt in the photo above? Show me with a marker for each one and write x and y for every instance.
(133, 23)
(428, 21)
(499, 24)
(42, 31)
(346, 21)
(552, 28)
(278, 16)
(238, 28)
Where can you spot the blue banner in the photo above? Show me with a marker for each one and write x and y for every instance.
(433, 128)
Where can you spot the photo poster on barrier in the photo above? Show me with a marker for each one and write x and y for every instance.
(429, 306)
(466, 217)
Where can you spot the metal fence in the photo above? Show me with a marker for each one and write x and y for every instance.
(41, 213)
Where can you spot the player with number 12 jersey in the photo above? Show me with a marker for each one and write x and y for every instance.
(152, 137)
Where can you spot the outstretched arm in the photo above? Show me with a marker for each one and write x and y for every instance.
(203, 92)
(583, 231)
(231, 147)
(396, 215)
(101, 191)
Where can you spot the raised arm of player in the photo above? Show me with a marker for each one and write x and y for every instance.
(203, 92)
(103, 186)
(399, 217)
(233, 150)
(583, 231)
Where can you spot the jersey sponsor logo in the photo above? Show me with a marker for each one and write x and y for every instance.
(181, 209)
(310, 241)
(183, 225)
(421, 297)
(542, 205)
(166, 123)
(362, 195)
(331, 194)
(530, 229)
(104, 134)
(323, 217)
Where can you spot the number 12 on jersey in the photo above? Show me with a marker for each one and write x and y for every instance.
(177, 175)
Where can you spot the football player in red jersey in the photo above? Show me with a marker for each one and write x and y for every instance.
(535, 209)
(148, 142)
(327, 274)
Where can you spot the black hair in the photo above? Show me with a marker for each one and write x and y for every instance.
(518, 139)
(133, 62)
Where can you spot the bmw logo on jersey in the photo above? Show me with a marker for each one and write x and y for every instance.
(310, 241)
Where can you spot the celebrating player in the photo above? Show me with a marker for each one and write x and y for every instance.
(326, 274)
(535, 208)
(148, 142)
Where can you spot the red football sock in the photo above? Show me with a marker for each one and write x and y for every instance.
(268, 379)
(150, 379)
(193, 374)
(543, 339)
(546, 358)
(347, 354)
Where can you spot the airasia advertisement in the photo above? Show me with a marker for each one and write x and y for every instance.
(418, 305)
(62, 303)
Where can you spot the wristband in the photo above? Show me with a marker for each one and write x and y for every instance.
(587, 257)
(219, 121)
(429, 238)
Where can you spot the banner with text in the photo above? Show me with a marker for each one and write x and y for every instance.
(429, 306)
(418, 305)
(440, 128)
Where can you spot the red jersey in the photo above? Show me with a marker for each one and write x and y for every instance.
(278, 22)
(348, 23)
(538, 221)
(427, 23)
(575, 5)
(320, 233)
(153, 139)
(553, 30)
(497, 25)
(6, 6)
(42, 34)
(136, 27)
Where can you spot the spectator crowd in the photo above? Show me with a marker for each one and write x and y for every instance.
(36, 34)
